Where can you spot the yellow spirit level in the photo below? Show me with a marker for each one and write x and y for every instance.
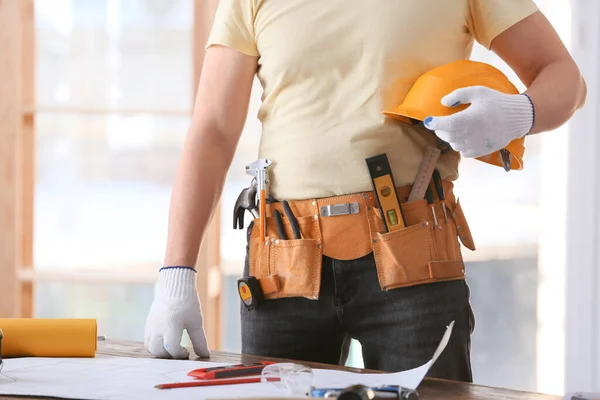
(385, 192)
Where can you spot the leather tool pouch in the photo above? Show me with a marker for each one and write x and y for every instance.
(421, 252)
(297, 262)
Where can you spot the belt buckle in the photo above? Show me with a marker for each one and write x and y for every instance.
(333, 210)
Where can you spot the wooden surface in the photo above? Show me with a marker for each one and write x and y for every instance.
(429, 389)
(10, 135)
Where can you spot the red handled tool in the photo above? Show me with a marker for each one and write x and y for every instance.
(229, 371)
(208, 383)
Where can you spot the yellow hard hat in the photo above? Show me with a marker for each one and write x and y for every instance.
(424, 99)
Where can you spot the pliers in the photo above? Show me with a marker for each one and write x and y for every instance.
(291, 218)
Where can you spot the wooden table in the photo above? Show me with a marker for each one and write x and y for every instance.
(430, 388)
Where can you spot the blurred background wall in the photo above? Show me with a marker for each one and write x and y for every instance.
(107, 92)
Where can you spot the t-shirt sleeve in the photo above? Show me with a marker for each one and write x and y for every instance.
(233, 26)
(489, 18)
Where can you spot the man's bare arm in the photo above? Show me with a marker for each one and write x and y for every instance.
(533, 49)
(217, 123)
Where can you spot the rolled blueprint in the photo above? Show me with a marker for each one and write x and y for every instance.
(48, 337)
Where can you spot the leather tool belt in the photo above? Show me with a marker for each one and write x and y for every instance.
(349, 227)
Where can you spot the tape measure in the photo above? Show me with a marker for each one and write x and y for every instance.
(385, 192)
(430, 159)
(250, 292)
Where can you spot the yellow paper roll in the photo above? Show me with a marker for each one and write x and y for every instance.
(48, 337)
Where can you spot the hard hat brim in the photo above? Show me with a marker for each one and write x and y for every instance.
(411, 115)
(516, 162)
(406, 114)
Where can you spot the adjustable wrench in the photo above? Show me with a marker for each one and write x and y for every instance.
(259, 169)
(245, 201)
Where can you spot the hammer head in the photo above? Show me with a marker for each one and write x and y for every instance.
(256, 168)
(245, 201)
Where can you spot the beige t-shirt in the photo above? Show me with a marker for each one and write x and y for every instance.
(330, 67)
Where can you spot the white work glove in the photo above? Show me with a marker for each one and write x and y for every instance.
(175, 308)
(492, 120)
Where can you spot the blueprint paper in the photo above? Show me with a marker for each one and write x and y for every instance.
(111, 378)
(409, 379)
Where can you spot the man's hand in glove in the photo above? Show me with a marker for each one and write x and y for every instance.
(491, 121)
(175, 308)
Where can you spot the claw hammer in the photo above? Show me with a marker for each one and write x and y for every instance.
(259, 169)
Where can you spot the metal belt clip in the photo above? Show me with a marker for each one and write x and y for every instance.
(333, 210)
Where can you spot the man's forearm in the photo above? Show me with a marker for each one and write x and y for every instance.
(198, 186)
(557, 92)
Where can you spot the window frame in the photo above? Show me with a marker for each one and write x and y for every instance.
(582, 308)
(17, 265)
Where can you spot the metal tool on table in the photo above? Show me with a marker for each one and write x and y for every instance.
(426, 168)
(259, 169)
(362, 392)
(245, 201)
(385, 192)
(439, 188)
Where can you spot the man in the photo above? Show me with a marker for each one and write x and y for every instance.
(329, 69)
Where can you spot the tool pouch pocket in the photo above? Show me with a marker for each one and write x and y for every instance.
(419, 253)
(462, 227)
(296, 262)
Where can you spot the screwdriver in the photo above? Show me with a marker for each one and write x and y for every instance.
(439, 187)
(429, 197)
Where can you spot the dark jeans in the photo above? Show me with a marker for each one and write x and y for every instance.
(397, 329)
